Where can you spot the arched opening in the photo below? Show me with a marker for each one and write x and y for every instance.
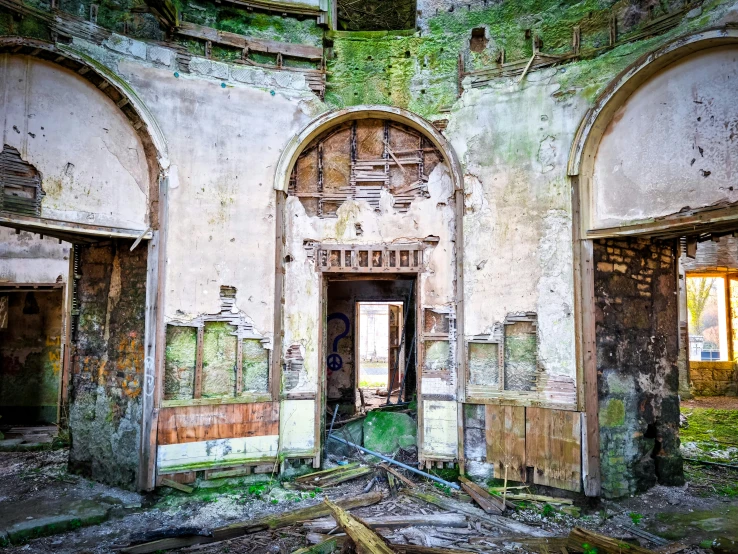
(653, 167)
(82, 161)
(370, 200)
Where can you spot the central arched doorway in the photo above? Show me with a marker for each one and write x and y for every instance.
(370, 199)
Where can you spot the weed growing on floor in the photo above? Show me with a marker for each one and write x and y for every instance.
(635, 517)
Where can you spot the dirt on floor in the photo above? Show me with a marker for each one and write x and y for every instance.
(36, 485)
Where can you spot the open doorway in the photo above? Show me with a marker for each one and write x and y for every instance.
(370, 335)
(31, 354)
(709, 381)
(380, 352)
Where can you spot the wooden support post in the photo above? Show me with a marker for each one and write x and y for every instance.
(576, 40)
(460, 75)
(198, 363)
(613, 29)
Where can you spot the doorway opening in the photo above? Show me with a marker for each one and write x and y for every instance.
(708, 287)
(31, 354)
(380, 352)
(370, 336)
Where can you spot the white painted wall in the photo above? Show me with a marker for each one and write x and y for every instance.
(673, 144)
(223, 147)
(27, 258)
(513, 141)
(90, 158)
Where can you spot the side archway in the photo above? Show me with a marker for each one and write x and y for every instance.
(661, 106)
(127, 103)
(651, 161)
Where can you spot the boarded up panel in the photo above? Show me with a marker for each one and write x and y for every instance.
(402, 141)
(521, 362)
(200, 423)
(553, 447)
(307, 172)
(219, 360)
(180, 359)
(255, 367)
(440, 429)
(505, 432)
(437, 355)
(215, 453)
(298, 427)
(435, 323)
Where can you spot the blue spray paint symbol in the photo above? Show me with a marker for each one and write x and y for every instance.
(334, 360)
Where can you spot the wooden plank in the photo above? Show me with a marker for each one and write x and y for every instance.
(366, 540)
(505, 434)
(399, 475)
(553, 448)
(200, 423)
(174, 485)
(393, 522)
(295, 516)
(304, 51)
(604, 544)
(486, 501)
(500, 522)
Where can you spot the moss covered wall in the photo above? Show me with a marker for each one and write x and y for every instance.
(30, 358)
(107, 364)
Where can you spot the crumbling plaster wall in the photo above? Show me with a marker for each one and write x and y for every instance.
(513, 141)
(223, 144)
(91, 160)
(27, 258)
(692, 132)
(427, 217)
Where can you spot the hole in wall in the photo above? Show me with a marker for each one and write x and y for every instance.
(478, 41)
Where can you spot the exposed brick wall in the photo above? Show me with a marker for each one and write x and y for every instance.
(107, 369)
(637, 349)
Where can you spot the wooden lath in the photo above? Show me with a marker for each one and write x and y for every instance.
(385, 258)
(377, 156)
(292, 50)
(20, 184)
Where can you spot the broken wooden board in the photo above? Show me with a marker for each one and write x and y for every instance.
(366, 540)
(486, 501)
(248, 527)
(604, 544)
(393, 522)
(553, 446)
(399, 475)
(317, 539)
(333, 476)
(505, 434)
(501, 522)
(298, 516)
(293, 50)
(178, 486)
(540, 498)
(542, 545)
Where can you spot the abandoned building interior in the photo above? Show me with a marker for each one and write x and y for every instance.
(494, 242)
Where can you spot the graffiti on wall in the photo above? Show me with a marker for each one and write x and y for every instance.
(334, 361)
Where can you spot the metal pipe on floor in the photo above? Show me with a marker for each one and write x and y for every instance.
(395, 462)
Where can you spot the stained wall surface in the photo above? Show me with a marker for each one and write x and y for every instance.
(108, 361)
(27, 258)
(91, 160)
(674, 142)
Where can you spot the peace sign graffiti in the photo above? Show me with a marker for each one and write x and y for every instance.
(334, 362)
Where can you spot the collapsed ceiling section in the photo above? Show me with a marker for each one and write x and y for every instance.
(358, 160)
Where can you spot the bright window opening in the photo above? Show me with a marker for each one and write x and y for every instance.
(707, 319)
(373, 344)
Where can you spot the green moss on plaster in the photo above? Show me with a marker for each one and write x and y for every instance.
(614, 414)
